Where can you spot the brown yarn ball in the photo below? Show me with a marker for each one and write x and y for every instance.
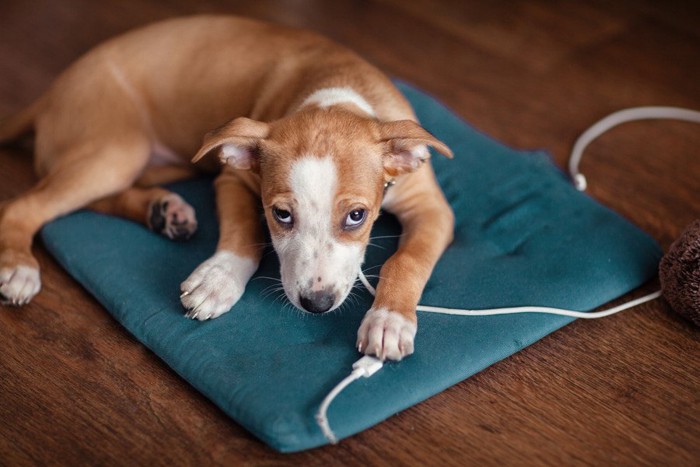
(679, 273)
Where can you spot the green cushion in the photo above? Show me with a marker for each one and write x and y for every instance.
(524, 236)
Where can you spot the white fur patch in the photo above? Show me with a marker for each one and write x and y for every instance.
(311, 258)
(328, 97)
(386, 334)
(216, 285)
(314, 183)
(18, 284)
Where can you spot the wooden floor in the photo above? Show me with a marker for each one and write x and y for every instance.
(76, 389)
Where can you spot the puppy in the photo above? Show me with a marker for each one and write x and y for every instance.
(303, 125)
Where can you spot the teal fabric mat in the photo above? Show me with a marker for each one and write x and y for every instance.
(523, 236)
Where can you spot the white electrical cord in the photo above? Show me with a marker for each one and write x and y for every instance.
(367, 365)
(525, 309)
(618, 118)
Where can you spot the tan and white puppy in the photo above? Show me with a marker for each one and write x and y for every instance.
(313, 131)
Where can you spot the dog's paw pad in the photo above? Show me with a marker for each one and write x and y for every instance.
(172, 217)
(386, 334)
(18, 284)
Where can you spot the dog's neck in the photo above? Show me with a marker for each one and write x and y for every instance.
(344, 97)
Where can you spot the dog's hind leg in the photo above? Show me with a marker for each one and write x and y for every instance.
(81, 175)
(160, 210)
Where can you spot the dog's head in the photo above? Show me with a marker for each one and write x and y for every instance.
(322, 174)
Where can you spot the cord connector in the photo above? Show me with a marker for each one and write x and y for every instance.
(367, 366)
(364, 367)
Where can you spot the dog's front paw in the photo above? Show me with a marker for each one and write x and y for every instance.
(216, 285)
(173, 217)
(19, 278)
(386, 334)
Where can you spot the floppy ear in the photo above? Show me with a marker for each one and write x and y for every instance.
(236, 143)
(405, 146)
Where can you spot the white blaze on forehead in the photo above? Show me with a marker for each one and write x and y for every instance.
(313, 181)
(328, 97)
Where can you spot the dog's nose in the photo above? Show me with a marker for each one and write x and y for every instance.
(317, 302)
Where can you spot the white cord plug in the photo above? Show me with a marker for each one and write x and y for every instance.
(367, 365)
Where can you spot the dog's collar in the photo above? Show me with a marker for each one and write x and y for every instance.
(388, 184)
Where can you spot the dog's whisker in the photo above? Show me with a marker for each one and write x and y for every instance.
(373, 276)
(263, 244)
(274, 286)
(273, 292)
(276, 279)
(353, 298)
(280, 297)
(268, 253)
(384, 236)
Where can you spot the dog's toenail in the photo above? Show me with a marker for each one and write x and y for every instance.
(192, 314)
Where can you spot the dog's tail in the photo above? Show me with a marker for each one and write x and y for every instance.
(21, 124)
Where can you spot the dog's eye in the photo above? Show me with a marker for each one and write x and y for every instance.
(355, 218)
(282, 215)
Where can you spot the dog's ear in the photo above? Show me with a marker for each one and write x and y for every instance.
(405, 146)
(236, 143)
